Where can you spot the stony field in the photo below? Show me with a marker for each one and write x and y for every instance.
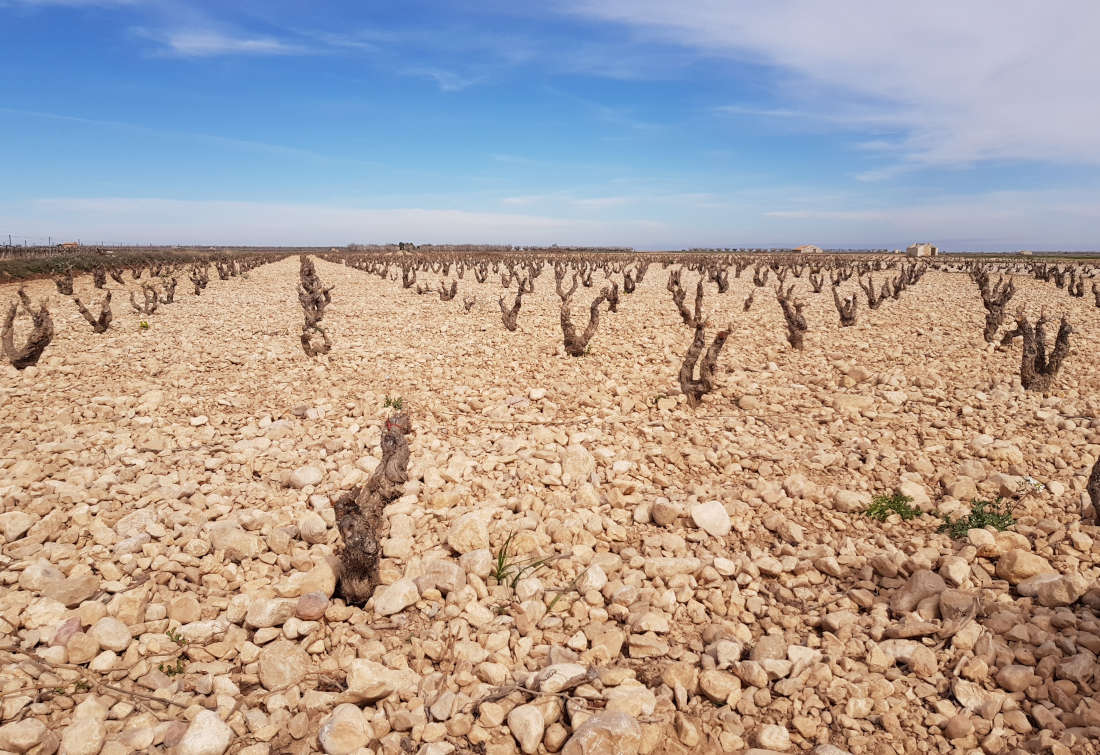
(581, 563)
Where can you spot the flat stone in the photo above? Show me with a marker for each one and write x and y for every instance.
(712, 517)
(396, 597)
(773, 737)
(1017, 565)
(306, 475)
(282, 664)
(20, 736)
(606, 734)
(72, 591)
(111, 634)
(268, 612)
(208, 734)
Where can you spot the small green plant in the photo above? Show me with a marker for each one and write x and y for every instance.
(394, 403)
(143, 325)
(508, 570)
(172, 669)
(997, 515)
(175, 637)
(882, 506)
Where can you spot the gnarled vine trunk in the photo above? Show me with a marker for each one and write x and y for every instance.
(101, 323)
(313, 296)
(510, 315)
(37, 340)
(994, 299)
(576, 345)
(695, 388)
(1037, 368)
(792, 313)
(150, 295)
(64, 282)
(359, 513)
(846, 308)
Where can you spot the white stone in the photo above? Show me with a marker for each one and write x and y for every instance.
(772, 737)
(20, 736)
(527, 725)
(306, 475)
(207, 735)
(344, 731)
(395, 598)
(111, 634)
(470, 532)
(711, 517)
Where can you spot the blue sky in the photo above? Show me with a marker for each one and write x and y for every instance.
(657, 124)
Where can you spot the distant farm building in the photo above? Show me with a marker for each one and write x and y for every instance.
(68, 245)
(922, 250)
(1025, 252)
(809, 249)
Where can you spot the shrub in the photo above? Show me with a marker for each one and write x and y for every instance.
(882, 506)
(997, 515)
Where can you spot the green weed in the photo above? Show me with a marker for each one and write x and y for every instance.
(882, 506)
(997, 515)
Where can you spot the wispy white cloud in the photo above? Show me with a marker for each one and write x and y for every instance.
(966, 82)
(176, 221)
(205, 44)
(447, 81)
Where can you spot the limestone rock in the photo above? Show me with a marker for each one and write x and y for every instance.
(1018, 564)
(396, 597)
(344, 731)
(306, 475)
(712, 518)
(606, 734)
(282, 664)
(923, 584)
(470, 532)
(208, 734)
(527, 725)
(21, 736)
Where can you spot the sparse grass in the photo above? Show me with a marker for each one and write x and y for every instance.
(997, 515)
(508, 570)
(882, 506)
(143, 325)
(567, 589)
(395, 403)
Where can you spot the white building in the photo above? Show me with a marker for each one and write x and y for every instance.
(922, 249)
(809, 249)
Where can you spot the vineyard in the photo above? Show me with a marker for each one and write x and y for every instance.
(606, 502)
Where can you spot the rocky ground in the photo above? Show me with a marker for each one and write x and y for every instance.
(696, 580)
